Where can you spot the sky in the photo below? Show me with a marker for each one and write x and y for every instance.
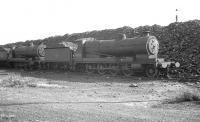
(22, 20)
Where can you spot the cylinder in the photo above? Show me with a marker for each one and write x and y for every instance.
(126, 47)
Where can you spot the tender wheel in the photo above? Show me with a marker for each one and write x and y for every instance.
(151, 71)
(101, 69)
(79, 67)
(89, 69)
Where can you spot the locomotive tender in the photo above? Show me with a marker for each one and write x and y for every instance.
(120, 56)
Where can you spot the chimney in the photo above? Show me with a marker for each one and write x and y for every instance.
(31, 44)
(124, 36)
(147, 33)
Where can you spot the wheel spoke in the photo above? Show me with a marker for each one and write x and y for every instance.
(127, 72)
(89, 69)
(113, 69)
(101, 69)
(113, 72)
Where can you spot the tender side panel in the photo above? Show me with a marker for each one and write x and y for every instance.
(58, 54)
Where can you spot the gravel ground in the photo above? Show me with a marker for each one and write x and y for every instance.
(78, 97)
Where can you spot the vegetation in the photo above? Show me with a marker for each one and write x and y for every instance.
(186, 96)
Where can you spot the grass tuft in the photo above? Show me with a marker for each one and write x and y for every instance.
(16, 81)
(186, 96)
(12, 81)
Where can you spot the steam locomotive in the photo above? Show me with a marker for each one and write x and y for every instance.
(125, 56)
